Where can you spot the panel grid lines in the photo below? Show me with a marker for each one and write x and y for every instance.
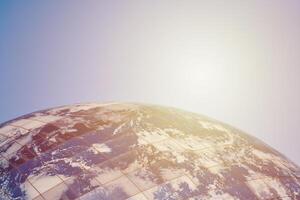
(142, 159)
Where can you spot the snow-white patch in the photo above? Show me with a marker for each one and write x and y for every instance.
(262, 155)
(174, 131)
(102, 148)
(53, 139)
(70, 161)
(213, 126)
(119, 128)
(217, 169)
(141, 142)
(77, 163)
(131, 123)
(71, 130)
(179, 157)
(36, 150)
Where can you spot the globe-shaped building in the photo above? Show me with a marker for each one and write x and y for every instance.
(139, 152)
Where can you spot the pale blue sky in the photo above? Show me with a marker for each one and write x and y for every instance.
(235, 61)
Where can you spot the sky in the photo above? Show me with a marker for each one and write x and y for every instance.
(235, 61)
